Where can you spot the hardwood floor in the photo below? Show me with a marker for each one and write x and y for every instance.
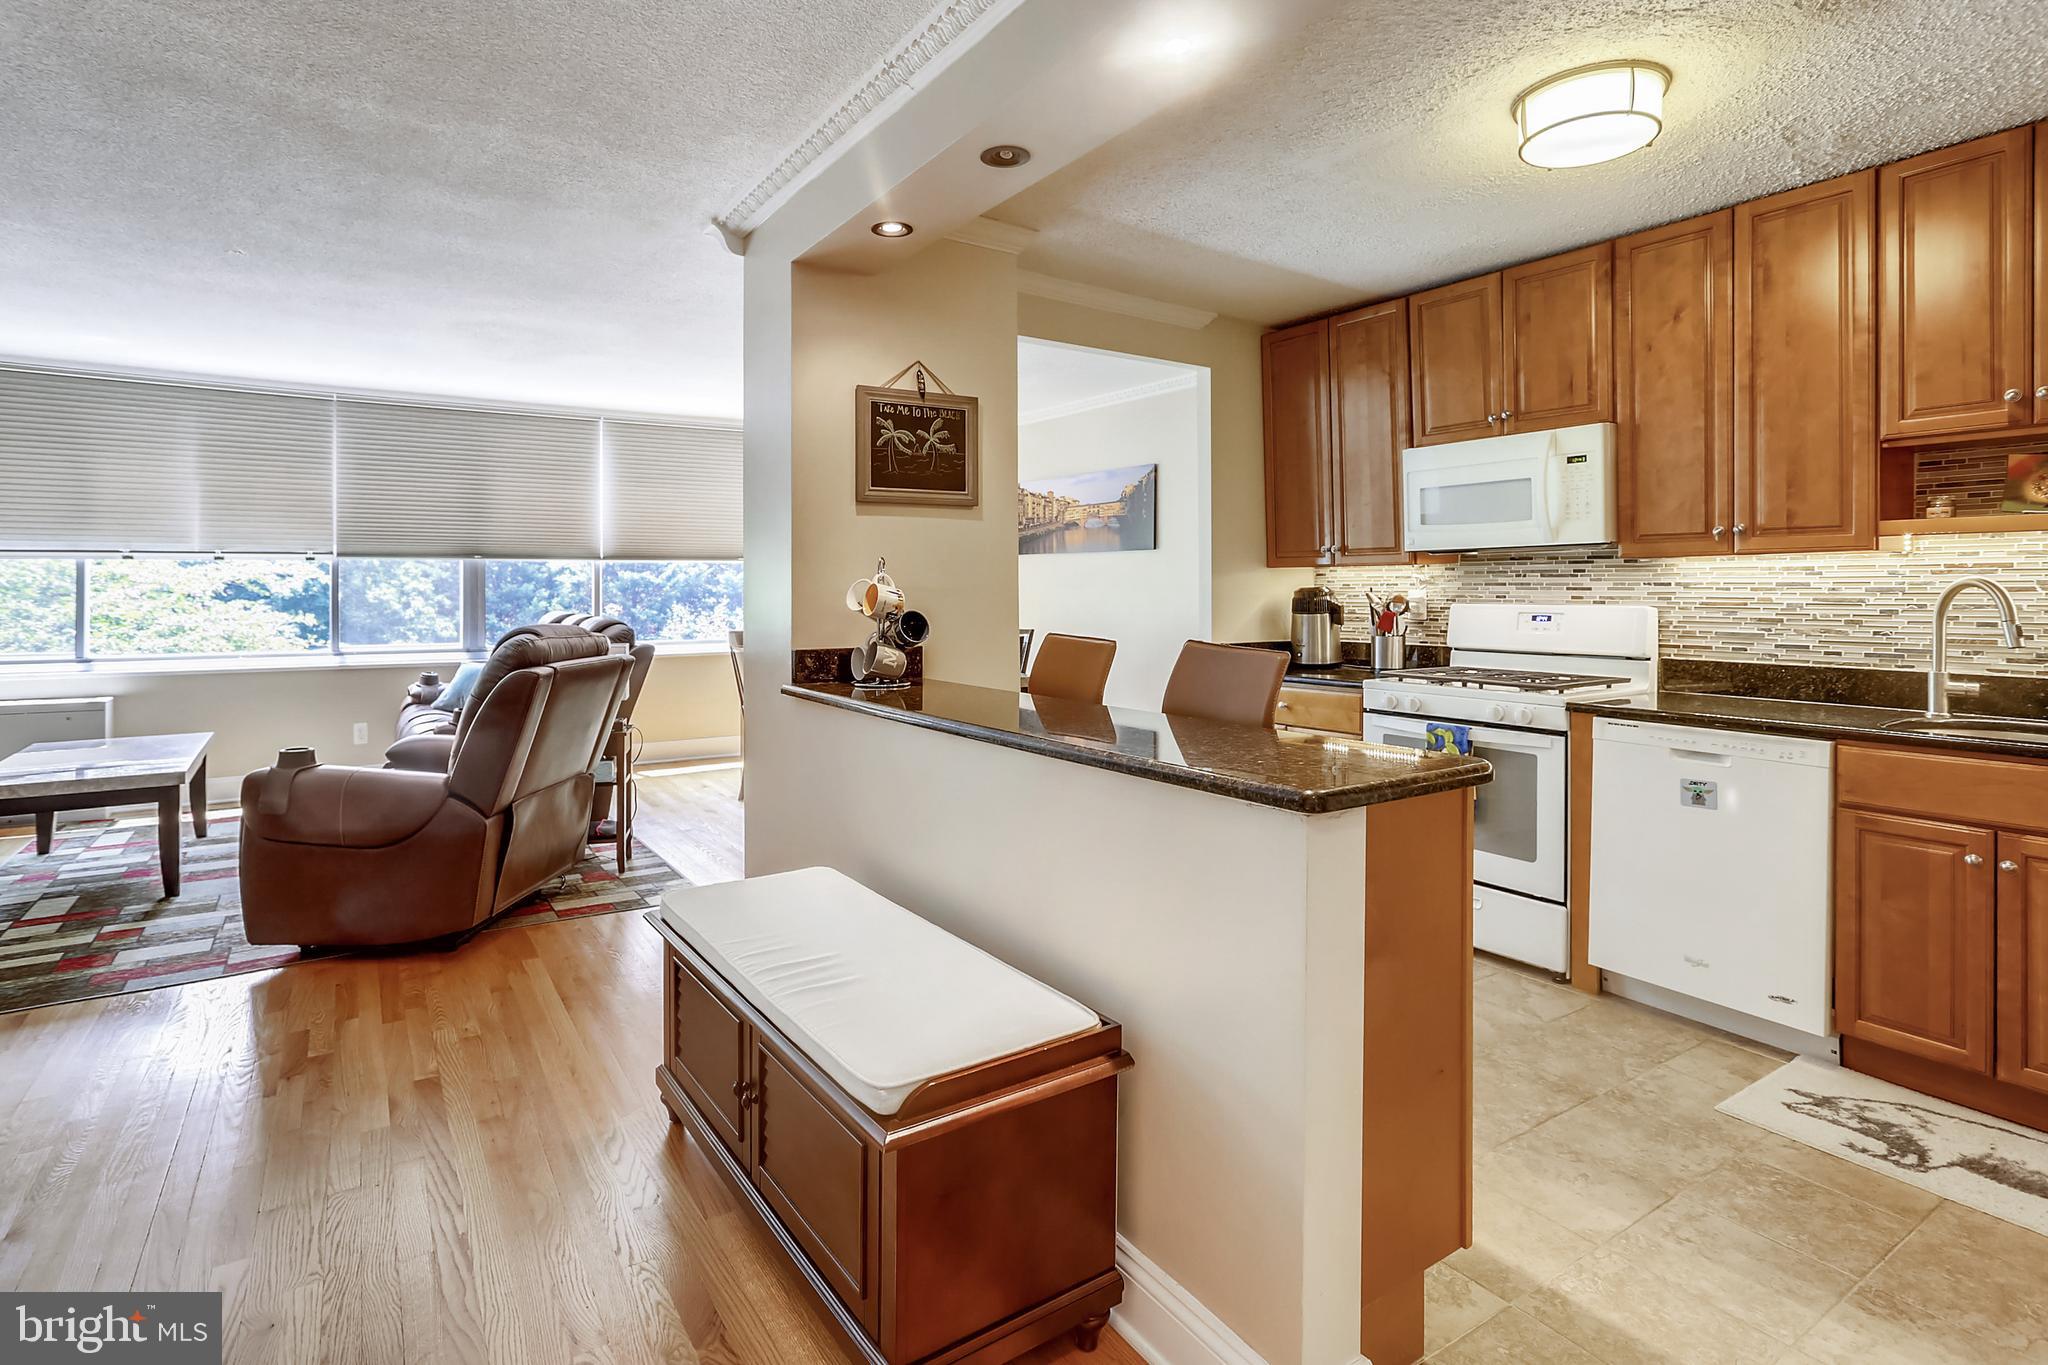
(437, 1157)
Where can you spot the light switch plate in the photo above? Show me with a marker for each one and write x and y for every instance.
(362, 734)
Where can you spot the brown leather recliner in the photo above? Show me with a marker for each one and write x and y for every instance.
(362, 856)
(426, 732)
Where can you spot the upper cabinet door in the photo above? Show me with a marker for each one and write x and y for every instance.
(1369, 426)
(2023, 961)
(1913, 936)
(1805, 373)
(1954, 286)
(1455, 345)
(2040, 295)
(1557, 341)
(1297, 384)
(1674, 357)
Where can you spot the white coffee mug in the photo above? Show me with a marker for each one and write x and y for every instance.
(876, 596)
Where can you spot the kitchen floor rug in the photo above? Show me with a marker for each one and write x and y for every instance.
(89, 919)
(1982, 1162)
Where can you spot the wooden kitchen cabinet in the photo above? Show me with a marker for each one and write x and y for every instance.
(1297, 415)
(1913, 936)
(2040, 263)
(1674, 361)
(1557, 341)
(1525, 349)
(1941, 924)
(1955, 289)
(1805, 375)
(1454, 342)
(1369, 425)
(2023, 961)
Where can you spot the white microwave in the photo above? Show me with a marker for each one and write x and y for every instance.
(1540, 488)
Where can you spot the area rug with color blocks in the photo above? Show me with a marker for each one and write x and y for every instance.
(90, 919)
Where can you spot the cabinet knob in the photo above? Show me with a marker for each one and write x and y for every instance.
(2008, 865)
(1740, 528)
(2041, 392)
(1973, 860)
(1718, 531)
(1505, 415)
(2013, 395)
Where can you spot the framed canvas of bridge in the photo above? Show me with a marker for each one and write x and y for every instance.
(920, 448)
(1108, 510)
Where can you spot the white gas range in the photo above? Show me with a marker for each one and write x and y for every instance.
(1513, 670)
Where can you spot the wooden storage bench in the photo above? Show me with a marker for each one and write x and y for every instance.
(929, 1133)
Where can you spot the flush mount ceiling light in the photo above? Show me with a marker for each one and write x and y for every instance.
(890, 227)
(1591, 113)
(1005, 156)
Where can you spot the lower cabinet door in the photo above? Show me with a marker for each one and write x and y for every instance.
(815, 1171)
(707, 1054)
(2023, 961)
(1913, 936)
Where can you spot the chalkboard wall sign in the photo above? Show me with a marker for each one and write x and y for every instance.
(922, 448)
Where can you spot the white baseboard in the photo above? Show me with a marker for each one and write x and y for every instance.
(1167, 1325)
(669, 750)
(1766, 1031)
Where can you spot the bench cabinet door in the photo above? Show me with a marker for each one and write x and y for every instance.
(818, 1174)
(708, 1055)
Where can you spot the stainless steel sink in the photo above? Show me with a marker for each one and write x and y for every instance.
(2018, 728)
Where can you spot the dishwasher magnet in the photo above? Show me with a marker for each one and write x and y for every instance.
(1697, 794)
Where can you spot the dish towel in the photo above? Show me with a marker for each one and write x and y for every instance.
(1444, 738)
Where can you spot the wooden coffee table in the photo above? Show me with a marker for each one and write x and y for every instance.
(75, 774)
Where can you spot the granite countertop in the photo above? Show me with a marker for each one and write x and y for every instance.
(1306, 773)
(1823, 703)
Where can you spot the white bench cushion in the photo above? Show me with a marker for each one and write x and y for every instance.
(879, 998)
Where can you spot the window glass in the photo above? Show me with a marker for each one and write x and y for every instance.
(38, 615)
(400, 602)
(518, 592)
(675, 599)
(205, 606)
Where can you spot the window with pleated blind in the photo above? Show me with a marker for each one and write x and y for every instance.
(671, 491)
(443, 482)
(105, 465)
(108, 466)
(283, 522)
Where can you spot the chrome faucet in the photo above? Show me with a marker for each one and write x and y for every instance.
(1938, 684)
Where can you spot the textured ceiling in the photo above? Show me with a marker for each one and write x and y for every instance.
(1374, 154)
(1052, 376)
(497, 200)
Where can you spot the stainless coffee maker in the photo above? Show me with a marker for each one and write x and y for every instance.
(1312, 635)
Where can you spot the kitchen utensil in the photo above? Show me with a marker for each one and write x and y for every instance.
(1389, 652)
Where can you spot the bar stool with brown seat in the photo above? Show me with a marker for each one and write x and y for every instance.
(1230, 683)
(1072, 668)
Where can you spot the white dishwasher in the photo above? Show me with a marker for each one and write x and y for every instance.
(1711, 859)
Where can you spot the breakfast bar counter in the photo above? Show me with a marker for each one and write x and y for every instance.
(1282, 925)
(1311, 774)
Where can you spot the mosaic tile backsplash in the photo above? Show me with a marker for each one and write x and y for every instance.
(1846, 610)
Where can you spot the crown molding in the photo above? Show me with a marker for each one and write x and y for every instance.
(1112, 301)
(887, 79)
(987, 232)
(1173, 383)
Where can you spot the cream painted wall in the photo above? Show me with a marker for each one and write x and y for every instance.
(254, 712)
(1248, 600)
(955, 308)
(1149, 601)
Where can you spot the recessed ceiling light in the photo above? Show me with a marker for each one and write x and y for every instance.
(1591, 114)
(890, 227)
(1005, 155)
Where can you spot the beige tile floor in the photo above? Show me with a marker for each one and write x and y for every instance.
(1619, 1218)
